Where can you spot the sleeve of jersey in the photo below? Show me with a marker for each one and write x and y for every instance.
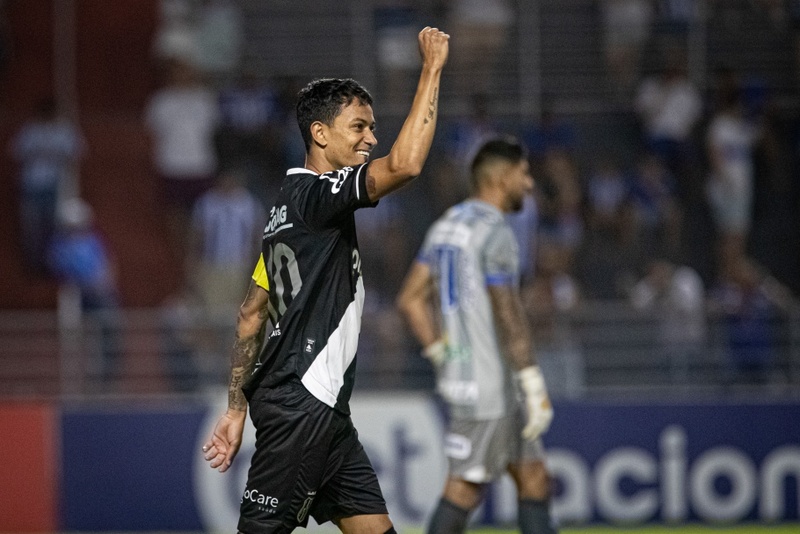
(334, 194)
(425, 253)
(260, 274)
(501, 262)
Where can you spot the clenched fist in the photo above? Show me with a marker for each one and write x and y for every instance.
(433, 47)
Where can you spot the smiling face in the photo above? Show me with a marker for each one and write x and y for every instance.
(351, 138)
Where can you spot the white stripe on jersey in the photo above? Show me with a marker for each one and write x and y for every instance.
(325, 377)
(300, 170)
(358, 182)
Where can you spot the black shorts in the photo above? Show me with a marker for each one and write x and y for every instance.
(308, 461)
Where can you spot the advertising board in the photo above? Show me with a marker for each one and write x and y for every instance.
(620, 462)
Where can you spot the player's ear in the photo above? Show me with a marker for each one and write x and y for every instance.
(319, 133)
(497, 175)
(507, 173)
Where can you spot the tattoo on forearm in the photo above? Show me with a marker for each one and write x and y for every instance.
(513, 329)
(243, 357)
(245, 351)
(432, 106)
(236, 400)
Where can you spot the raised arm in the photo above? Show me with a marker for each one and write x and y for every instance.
(224, 443)
(410, 150)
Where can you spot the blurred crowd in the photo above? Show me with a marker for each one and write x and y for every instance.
(675, 227)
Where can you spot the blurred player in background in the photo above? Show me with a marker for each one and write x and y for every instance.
(308, 459)
(461, 300)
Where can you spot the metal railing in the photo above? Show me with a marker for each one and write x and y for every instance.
(600, 349)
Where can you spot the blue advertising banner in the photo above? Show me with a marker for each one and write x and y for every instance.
(140, 469)
(710, 462)
(129, 469)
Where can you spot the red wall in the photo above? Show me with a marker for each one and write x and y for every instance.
(114, 77)
(28, 79)
(29, 76)
(114, 68)
(113, 42)
(29, 478)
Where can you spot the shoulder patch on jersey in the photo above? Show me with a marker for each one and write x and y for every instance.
(337, 178)
(260, 273)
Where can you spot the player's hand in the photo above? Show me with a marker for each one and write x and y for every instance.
(433, 47)
(221, 448)
(537, 403)
(436, 352)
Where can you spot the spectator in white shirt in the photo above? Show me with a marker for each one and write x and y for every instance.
(669, 107)
(730, 143)
(182, 118)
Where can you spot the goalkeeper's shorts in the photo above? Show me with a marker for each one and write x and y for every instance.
(480, 451)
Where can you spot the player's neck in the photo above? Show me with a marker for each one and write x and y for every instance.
(493, 197)
(316, 163)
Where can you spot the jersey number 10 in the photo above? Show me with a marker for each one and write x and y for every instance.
(281, 265)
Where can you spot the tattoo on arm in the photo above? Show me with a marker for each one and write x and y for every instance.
(432, 105)
(512, 327)
(243, 359)
(245, 351)
(372, 185)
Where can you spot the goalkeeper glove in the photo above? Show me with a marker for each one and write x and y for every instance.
(435, 352)
(537, 403)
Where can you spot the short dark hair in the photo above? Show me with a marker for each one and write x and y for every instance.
(323, 99)
(506, 148)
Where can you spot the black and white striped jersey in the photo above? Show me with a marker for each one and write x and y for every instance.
(316, 294)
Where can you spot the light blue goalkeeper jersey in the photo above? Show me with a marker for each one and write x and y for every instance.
(470, 248)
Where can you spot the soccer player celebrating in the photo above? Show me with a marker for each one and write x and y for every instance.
(461, 300)
(308, 459)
